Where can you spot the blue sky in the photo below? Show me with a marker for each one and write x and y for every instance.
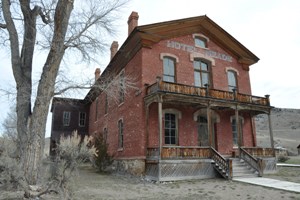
(268, 28)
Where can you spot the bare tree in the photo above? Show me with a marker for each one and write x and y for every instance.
(58, 28)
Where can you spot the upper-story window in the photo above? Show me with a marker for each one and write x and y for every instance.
(201, 73)
(82, 118)
(169, 69)
(232, 83)
(200, 42)
(66, 118)
(121, 87)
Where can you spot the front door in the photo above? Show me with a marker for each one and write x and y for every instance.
(202, 131)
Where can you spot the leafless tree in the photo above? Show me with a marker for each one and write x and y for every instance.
(57, 27)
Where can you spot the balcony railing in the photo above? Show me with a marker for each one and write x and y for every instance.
(161, 86)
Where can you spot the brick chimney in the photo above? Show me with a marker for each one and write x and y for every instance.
(113, 49)
(132, 21)
(97, 73)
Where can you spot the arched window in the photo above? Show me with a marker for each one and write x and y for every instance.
(201, 73)
(169, 69)
(232, 83)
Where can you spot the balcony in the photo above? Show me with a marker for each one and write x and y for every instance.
(206, 93)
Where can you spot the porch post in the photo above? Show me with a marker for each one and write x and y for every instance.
(271, 132)
(160, 135)
(209, 129)
(237, 123)
(147, 128)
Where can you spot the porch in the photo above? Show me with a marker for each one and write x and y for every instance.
(185, 159)
(180, 163)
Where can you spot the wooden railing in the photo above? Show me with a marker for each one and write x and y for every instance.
(161, 86)
(169, 152)
(223, 165)
(256, 163)
(260, 152)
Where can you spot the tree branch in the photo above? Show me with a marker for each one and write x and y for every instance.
(4, 26)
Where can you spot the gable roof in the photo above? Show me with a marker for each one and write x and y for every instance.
(148, 35)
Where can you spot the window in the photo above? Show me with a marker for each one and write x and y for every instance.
(232, 84)
(201, 73)
(169, 69)
(96, 109)
(82, 116)
(121, 133)
(106, 104)
(105, 133)
(235, 131)
(200, 42)
(121, 87)
(202, 131)
(170, 129)
(66, 118)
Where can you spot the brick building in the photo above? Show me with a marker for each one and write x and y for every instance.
(180, 119)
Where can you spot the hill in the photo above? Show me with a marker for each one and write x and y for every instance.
(286, 128)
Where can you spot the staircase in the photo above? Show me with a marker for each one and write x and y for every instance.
(242, 169)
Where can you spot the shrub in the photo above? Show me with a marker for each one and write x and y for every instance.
(282, 159)
(101, 159)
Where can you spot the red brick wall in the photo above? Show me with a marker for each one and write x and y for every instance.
(152, 65)
(131, 111)
(145, 67)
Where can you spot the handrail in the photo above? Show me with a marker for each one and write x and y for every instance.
(223, 163)
(256, 163)
(161, 86)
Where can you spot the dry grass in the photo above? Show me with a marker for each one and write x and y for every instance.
(93, 186)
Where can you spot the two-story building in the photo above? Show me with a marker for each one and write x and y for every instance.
(191, 107)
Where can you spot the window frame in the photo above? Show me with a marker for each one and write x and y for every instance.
(235, 75)
(121, 87)
(235, 135)
(170, 130)
(66, 118)
(202, 39)
(201, 72)
(80, 119)
(120, 134)
(169, 58)
(105, 134)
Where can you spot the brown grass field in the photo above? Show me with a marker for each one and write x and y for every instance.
(93, 186)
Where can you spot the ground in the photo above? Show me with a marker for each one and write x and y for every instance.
(93, 186)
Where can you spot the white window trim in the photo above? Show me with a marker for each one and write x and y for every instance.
(162, 55)
(232, 69)
(196, 55)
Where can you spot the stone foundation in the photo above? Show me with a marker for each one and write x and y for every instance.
(130, 166)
